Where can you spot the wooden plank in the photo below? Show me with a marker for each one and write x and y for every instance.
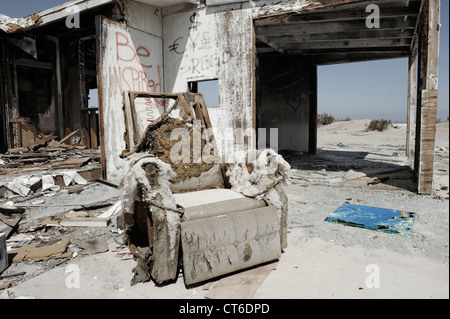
(136, 132)
(129, 130)
(313, 108)
(41, 142)
(220, 2)
(329, 27)
(415, 40)
(18, 150)
(85, 138)
(85, 222)
(68, 136)
(344, 35)
(337, 16)
(90, 175)
(206, 119)
(16, 104)
(345, 57)
(345, 44)
(101, 98)
(323, 6)
(93, 125)
(428, 135)
(72, 163)
(242, 285)
(427, 102)
(411, 112)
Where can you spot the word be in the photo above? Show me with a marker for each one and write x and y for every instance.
(135, 66)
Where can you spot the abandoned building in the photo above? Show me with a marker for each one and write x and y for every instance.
(264, 55)
(118, 77)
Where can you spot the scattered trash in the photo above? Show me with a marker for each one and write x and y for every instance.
(19, 274)
(9, 222)
(93, 246)
(352, 175)
(41, 251)
(374, 218)
(85, 222)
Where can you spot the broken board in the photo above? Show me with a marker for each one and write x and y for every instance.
(9, 223)
(374, 218)
(3, 253)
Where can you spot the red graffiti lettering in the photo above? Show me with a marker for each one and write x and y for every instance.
(131, 79)
(123, 48)
(133, 74)
(126, 52)
(143, 52)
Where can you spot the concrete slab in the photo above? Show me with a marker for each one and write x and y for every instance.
(101, 276)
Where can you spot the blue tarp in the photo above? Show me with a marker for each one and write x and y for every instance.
(380, 219)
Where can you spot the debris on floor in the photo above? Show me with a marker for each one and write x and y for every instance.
(374, 218)
(242, 285)
(3, 253)
(41, 251)
(93, 246)
(47, 170)
(9, 222)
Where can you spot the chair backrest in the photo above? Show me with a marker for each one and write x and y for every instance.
(171, 138)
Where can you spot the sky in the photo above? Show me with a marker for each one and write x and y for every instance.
(368, 90)
(378, 90)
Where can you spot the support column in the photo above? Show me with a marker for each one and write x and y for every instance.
(313, 109)
(411, 114)
(427, 96)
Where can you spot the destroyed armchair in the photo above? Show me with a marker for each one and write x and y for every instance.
(220, 219)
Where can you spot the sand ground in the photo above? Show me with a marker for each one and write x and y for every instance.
(323, 260)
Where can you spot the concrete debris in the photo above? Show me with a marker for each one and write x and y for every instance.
(15, 188)
(93, 246)
(24, 185)
(9, 222)
(352, 175)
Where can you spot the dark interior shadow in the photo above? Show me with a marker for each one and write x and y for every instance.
(383, 173)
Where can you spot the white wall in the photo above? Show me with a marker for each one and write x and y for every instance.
(214, 43)
(132, 59)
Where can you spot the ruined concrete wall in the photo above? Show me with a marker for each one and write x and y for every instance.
(131, 58)
(214, 43)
